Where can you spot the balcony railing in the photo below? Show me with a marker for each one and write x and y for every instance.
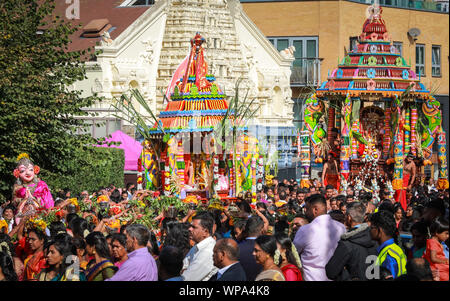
(433, 6)
(306, 72)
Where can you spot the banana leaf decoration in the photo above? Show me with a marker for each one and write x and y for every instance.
(360, 138)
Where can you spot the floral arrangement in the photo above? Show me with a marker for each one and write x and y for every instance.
(37, 223)
(74, 201)
(113, 224)
(3, 224)
(191, 199)
(216, 203)
(52, 215)
(115, 210)
(102, 198)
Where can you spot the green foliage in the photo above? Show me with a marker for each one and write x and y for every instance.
(163, 203)
(37, 110)
(94, 167)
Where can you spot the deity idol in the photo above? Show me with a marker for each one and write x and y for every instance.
(28, 187)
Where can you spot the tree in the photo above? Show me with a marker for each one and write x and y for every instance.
(37, 110)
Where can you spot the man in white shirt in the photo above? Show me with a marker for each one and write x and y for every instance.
(198, 264)
(8, 216)
(317, 241)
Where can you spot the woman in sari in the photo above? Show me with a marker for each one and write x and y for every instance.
(100, 267)
(118, 245)
(266, 253)
(35, 262)
(7, 246)
(58, 256)
(289, 261)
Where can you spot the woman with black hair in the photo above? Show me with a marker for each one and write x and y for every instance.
(79, 248)
(152, 245)
(7, 246)
(60, 258)
(266, 254)
(434, 251)
(57, 228)
(412, 216)
(35, 262)
(289, 263)
(100, 267)
(118, 246)
(177, 235)
(399, 215)
(69, 220)
(115, 196)
(7, 272)
(80, 227)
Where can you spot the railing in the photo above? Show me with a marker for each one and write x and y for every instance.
(306, 72)
(442, 6)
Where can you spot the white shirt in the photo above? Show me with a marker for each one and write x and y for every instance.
(198, 265)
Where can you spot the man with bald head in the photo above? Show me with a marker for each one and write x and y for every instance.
(226, 259)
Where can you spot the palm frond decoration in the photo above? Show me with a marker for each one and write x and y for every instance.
(174, 184)
(238, 115)
(324, 147)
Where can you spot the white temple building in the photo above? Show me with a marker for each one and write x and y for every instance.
(141, 47)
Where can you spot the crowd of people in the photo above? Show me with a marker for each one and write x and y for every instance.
(288, 234)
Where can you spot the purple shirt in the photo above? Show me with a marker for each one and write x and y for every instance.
(140, 266)
(316, 242)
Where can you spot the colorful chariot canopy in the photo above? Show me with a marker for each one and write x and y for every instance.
(196, 103)
(374, 68)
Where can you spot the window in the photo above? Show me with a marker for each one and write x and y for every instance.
(298, 121)
(100, 127)
(436, 60)
(306, 66)
(305, 47)
(353, 44)
(399, 47)
(420, 59)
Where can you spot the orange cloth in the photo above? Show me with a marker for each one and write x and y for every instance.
(332, 180)
(33, 266)
(400, 195)
(434, 245)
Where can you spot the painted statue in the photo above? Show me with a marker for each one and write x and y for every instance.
(432, 112)
(313, 111)
(345, 147)
(29, 192)
(398, 178)
(442, 157)
(149, 162)
(248, 149)
(305, 157)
